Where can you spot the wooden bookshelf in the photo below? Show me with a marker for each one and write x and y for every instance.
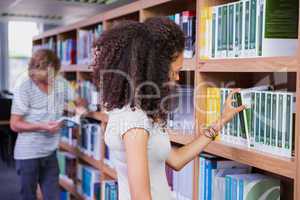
(70, 188)
(68, 148)
(245, 72)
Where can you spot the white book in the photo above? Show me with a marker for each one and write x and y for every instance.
(246, 28)
(254, 28)
(219, 32)
(231, 30)
(214, 33)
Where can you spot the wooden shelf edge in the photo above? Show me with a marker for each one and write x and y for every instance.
(271, 163)
(70, 188)
(258, 64)
(109, 171)
(76, 68)
(95, 163)
(66, 147)
(189, 64)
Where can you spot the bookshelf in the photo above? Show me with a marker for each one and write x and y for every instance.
(244, 72)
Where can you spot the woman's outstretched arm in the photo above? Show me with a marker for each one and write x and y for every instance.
(179, 157)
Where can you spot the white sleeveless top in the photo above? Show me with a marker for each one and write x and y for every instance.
(159, 146)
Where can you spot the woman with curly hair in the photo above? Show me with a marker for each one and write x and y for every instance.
(134, 65)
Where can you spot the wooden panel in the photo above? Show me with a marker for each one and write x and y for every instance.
(270, 64)
(189, 64)
(76, 68)
(297, 141)
(123, 10)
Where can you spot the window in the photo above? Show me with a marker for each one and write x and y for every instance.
(20, 49)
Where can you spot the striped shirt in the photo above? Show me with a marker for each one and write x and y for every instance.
(37, 106)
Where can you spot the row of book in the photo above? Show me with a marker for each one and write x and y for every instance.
(68, 133)
(66, 51)
(90, 186)
(181, 118)
(90, 140)
(187, 21)
(67, 166)
(50, 44)
(267, 123)
(87, 91)
(181, 182)
(222, 179)
(86, 39)
(249, 28)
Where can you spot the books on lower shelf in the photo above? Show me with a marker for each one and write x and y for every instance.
(187, 21)
(66, 51)
(249, 28)
(90, 140)
(86, 39)
(221, 179)
(109, 190)
(183, 182)
(267, 123)
(67, 166)
(182, 116)
(88, 182)
(65, 195)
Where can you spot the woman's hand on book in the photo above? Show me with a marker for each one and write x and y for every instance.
(229, 111)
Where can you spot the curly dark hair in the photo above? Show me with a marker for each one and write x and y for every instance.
(130, 60)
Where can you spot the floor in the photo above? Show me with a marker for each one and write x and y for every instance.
(9, 188)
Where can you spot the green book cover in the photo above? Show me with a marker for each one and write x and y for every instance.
(247, 25)
(281, 19)
(231, 30)
(262, 119)
(241, 19)
(253, 24)
(220, 32)
(213, 39)
(224, 30)
(257, 115)
(268, 119)
(237, 29)
(280, 120)
(289, 125)
(274, 120)
(261, 19)
(252, 119)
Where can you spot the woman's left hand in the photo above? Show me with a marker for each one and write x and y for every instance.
(229, 111)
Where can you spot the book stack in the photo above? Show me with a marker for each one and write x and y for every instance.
(90, 140)
(65, 195)
(183, 183)
(86, 39)
(222, 179)
(88, 182)
(187, 21)
(109, 190)
(67, 166)
(66, 51)
(181, 118)
(267, 123)
(249, 28)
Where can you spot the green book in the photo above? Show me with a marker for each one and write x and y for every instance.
(224, 31)
(246, 28)
(280, 120)
(268, 120)
(257, 117)
(274, 121)
(253, 28)
(263, 119)
(231, 30)
(219, 32)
